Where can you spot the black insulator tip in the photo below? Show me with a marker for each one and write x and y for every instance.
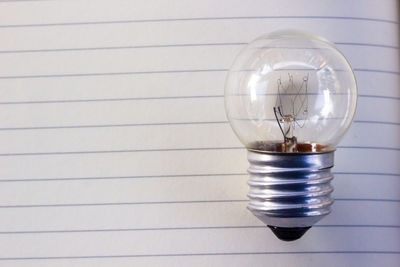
(288, 233)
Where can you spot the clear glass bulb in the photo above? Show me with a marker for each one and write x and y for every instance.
(290, 92)
(290, 97)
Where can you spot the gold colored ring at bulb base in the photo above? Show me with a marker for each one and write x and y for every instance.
(279, 148)
(290, 189)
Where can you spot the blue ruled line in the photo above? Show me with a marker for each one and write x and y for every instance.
(183, 229)
(199, 254)
(57, 101)
(94, 178)
(150, 124)
(125, 47)
(161, 150)
(58, 205)
(67, 75)
(82, 23)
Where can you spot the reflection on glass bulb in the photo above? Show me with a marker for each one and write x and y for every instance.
(290, 97)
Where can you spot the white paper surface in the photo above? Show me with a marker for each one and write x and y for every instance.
(115, 149)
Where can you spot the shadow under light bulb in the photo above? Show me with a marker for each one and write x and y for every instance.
(290, 97)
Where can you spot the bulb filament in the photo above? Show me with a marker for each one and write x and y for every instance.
(291, 109)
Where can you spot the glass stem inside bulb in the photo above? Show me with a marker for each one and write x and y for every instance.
(288, 122)
(290, 141)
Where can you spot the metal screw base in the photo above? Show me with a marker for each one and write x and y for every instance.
(290, 190)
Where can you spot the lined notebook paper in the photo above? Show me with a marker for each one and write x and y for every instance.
(115, 149)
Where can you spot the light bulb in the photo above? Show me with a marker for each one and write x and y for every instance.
(290, 97)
